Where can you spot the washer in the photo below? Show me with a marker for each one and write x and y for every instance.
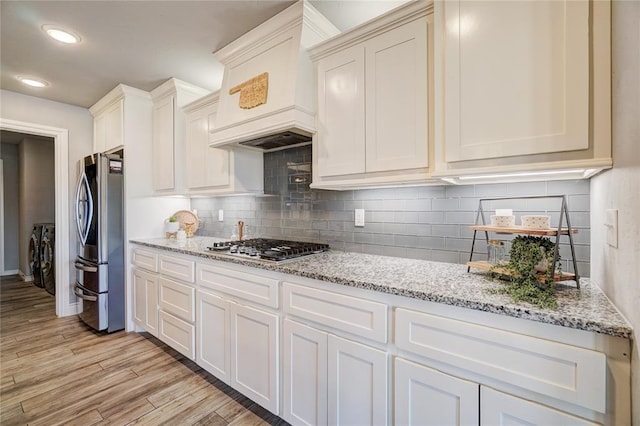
(34, 254)
(47, 257)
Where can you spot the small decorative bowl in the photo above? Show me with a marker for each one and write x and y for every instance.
(503, 221)
(536, 221)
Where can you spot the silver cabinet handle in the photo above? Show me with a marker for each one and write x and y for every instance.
(84, 267)
(81, 295)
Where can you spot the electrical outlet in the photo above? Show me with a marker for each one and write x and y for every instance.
(611, 222)
(359, 217)
(220, 215)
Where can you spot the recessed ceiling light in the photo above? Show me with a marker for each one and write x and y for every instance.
(61, 34)
(32, 81)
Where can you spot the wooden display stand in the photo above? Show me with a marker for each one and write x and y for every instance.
(552, 232)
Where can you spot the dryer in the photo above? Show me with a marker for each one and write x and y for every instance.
(47, 257)
(34, 254)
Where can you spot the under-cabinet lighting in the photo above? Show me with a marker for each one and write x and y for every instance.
(61, 34)
(32, 81)
(522, 174)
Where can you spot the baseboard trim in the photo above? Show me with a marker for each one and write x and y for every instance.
(26, 278)
(10, 272)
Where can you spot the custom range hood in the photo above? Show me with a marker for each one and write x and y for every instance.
(267, 99)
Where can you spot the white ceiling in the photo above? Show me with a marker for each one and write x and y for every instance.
(137, 43)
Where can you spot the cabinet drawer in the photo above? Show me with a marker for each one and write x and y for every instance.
(252, 287)
(350, 314)
(176, 267)
(145, 259)
(177, 299)
(557, 370)
(178, 334)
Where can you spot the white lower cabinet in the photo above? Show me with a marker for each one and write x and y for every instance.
(254, 355)
(169, 304)
(497, 408)
(305, 374)
(424, 396)
(331, 380)
(145, 300)
(357, 383)
(214, 349)
(354, 357)
(177, 333)
(177, 316)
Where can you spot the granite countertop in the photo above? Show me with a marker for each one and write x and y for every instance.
(585, 309)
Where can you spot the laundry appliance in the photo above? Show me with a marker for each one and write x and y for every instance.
(47, 257)
(34, 253)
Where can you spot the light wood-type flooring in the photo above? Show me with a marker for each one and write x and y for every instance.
(59, 371)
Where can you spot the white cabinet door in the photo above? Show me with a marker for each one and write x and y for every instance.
(177, 298)
(423, 396)
(254, 355)
(357, 383)
(163, 144)
(516, 77)
(99, 133)
(213, 343)
(145, 300)
(341, 126)
(108, 127)
(177, 333)
(498, 409)
(206, 167)
(305, 374)
(396, 99)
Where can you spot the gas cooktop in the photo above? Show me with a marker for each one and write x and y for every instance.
(269, 249)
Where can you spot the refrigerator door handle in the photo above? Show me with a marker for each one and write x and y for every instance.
(78, 292)
(84, 267)
(83, 223)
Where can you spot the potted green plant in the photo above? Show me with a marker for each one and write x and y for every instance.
(530, 271)
(171, 225)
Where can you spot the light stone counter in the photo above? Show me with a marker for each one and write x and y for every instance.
(585, 309)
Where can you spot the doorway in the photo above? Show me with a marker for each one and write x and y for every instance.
(65, 305)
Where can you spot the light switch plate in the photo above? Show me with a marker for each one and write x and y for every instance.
(359, 217)
(220, 215)
(611, 223)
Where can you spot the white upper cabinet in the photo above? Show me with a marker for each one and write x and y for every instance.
(521, 86)
(169, 131)
(108, 130)
(396, 100)
(113, 113)
(340, 144)
(215, 171)
(373, 102)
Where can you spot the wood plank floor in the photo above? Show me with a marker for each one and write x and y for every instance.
(58, 371)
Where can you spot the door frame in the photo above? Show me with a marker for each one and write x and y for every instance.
(1, 217)
(64, 306)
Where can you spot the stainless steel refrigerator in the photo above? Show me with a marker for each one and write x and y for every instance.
(100, 280)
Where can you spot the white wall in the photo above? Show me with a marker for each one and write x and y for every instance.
(11, 207)
(37, 192)
(617, 270)
(14, 106)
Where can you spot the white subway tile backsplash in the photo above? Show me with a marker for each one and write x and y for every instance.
(491, 190)
(526, 188)
(446, 230)
(562, 187)
(457, 191)
(431, 217)
(445, 204)
(428, 222)
(445, 256)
